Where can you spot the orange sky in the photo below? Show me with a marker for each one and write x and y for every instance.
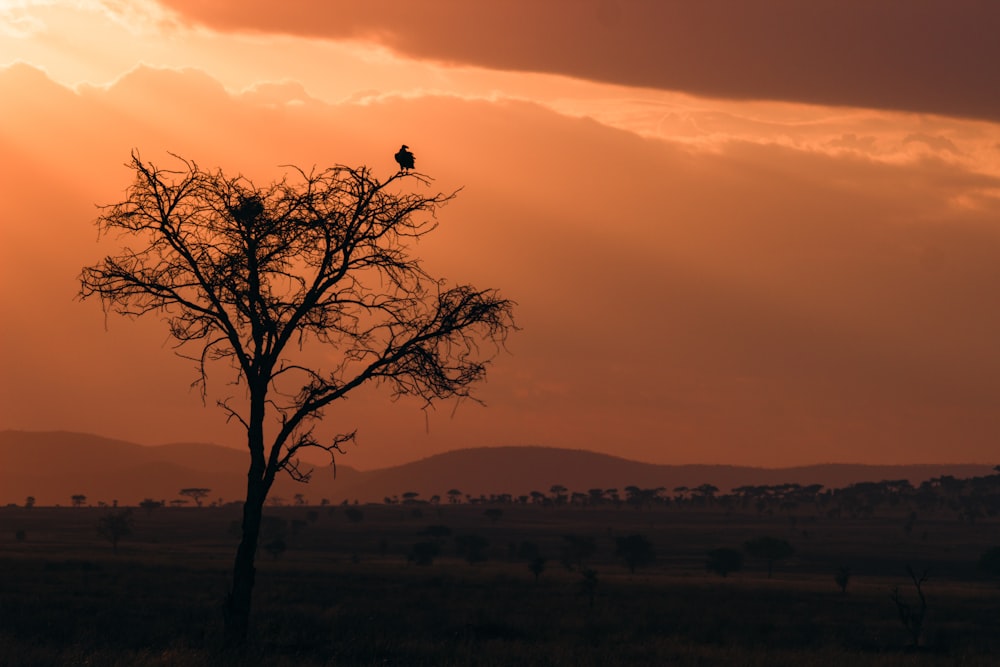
(765, 236)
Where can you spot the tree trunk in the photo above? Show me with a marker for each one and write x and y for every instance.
(237, 611)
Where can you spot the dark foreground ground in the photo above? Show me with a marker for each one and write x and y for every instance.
(344, 593)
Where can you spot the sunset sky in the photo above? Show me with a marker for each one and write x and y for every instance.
(762, 233)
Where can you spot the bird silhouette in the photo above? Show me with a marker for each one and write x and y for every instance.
(405, 158)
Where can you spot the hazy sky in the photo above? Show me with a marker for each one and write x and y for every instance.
(760, 233)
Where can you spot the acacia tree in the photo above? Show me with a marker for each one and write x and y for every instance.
(195, 494)
(307, 288)
(115, 525)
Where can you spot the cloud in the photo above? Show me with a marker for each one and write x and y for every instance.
(934, 143)
(17, 21)
(930, 56)
(743, 302)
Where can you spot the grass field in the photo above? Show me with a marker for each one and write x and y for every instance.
(345, 593)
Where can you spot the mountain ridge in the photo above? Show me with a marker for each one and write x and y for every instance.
(107, 469)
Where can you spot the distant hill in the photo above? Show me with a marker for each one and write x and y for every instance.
(54, 465)
(520, 470)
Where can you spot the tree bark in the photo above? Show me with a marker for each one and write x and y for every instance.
(237, 612)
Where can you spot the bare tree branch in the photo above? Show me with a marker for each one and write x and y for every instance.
(307, 288)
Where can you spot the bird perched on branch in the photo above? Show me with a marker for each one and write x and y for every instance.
(405, 158)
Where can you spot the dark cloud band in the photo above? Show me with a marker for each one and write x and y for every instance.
(933, 56)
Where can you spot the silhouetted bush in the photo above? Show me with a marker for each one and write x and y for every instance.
(276, 547)
(724, 560)
(423, 553)
(537, 566)
(636, 550)
(843, 577)
(149, 504)
(576, 550)
(770, 549)
(115, 525)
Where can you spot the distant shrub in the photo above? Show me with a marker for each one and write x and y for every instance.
(149, 504)
(354, 515)
(635, 550)
(577, 550)
(770, 549)
(115, 525)
(537, 566)
(724, 560)
(20, 535)
(276, 547)
(843, 577)
(423, 553)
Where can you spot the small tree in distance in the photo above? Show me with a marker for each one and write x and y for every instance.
(770, 549)
(149, 504)
(635, 550)
(306, 288)
(537, 566)
(912, 616)
(115, 525)
(195, 494)
(843, 578)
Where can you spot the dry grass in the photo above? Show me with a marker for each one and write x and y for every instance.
(344, 594)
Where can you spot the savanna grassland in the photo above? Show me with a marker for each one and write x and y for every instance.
(337, 589)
